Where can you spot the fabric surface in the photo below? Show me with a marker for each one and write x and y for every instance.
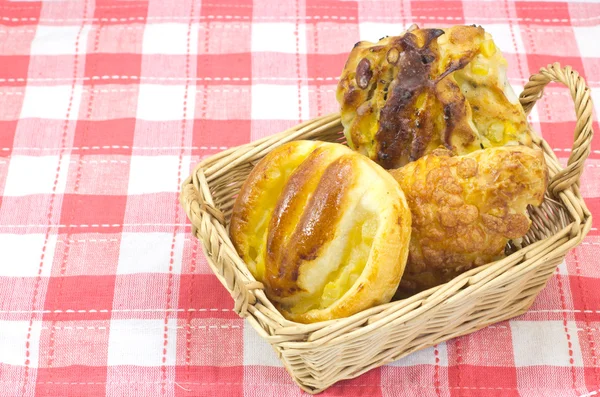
(105, 108)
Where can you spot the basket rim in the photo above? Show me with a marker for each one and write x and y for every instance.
(252, 303)
(438, 292)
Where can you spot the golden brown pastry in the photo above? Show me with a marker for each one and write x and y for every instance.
(466, 208)
(405, 96)
(324, 228)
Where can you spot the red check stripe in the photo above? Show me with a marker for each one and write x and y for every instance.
(105, 106)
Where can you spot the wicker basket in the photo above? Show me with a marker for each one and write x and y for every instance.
(318, 355)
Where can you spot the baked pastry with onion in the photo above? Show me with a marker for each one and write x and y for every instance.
(324, 228)
(466, 208)
(407, 95)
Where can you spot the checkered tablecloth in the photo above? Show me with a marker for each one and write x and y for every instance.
(105, 108)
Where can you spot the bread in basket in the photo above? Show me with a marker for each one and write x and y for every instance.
(319, 354)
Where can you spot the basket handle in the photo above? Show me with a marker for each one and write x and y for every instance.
(580, 93)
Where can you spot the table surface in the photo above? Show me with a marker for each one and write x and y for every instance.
(105, 108)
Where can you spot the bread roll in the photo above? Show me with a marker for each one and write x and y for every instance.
(466, 208)
(405, 96)
(324, 228)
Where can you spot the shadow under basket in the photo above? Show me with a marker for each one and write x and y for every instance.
(320, 354)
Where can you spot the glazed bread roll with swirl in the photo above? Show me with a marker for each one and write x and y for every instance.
(466, 208)
(407, 95)
(324, 228)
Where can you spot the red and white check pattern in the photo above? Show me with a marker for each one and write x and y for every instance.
(106, 106)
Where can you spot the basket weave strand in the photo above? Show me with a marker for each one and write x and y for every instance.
(583, 129)
(318, 355)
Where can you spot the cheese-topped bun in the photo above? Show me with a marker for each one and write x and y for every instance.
(407, 95)
(466, 208)
(324, 228)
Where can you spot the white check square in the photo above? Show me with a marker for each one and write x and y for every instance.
(165, 102)
(424, 356)
(60, 40)
(13, 341)
(507, 38)
(545, 343)
(170, 38)
(154, 174)
(279, 102)
(21, 254)
(595, 94)
(141, 342)
(279, 37)
(562, 269)
(36, 175)
(52, 102)
(587, 40)
(149, 253)
(257, 351)
(373, 31)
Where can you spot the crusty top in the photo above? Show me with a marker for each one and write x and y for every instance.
(407, 95)
(466, 208)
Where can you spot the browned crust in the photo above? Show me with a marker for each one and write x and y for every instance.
(383, 271)
(303, 218)
(292, 241)
(382, 85)
(260, 182)
(466, 208)
(397, 127)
